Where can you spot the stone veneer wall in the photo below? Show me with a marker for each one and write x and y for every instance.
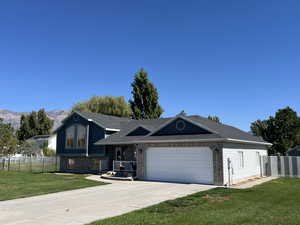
(217, 149)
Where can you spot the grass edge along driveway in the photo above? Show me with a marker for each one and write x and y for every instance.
(15, 185)
(273, 203)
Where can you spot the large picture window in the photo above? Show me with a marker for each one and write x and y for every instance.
(81, 136)
(76, 136)
(70, 137)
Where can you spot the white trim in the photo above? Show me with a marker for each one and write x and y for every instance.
(111, 129)
(190, 140)
(84, 117)
(252, 142)
(87, 140)
(183, 118)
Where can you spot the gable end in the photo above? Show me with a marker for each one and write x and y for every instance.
(179, 127)
(139, 131)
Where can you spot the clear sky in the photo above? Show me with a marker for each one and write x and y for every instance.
(235, 59)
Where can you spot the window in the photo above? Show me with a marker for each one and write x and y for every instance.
(70, 137)
(71, 163)
(180, 125)
(241, 159)
(81, 136)
(76, 136)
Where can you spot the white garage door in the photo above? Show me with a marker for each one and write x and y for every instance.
(188, 165)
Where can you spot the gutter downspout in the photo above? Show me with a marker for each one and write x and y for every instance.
(87, 140)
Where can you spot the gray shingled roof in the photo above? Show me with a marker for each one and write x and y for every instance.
(220, 132)
(106, 121)
(101, 120)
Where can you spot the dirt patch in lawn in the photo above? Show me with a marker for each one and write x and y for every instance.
(215, 198)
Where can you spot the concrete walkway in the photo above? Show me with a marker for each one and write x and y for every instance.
(89, 204)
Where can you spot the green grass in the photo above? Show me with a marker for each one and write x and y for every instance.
(24, 184)
(276, 202)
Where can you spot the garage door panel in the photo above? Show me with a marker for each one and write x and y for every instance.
(191, 165)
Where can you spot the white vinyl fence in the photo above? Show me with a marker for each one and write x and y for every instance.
(281, 166)
(29, 164)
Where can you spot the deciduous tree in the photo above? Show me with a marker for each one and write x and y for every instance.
(282, 130)
(8, 140)
(214, 118)
(108, 105)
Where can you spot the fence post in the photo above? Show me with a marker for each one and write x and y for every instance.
(55, 163)
(19, 164)
(43, 165)
(3, 164)
(8, 164)
(30, 164)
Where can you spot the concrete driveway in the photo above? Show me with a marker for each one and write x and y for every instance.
(89, 204)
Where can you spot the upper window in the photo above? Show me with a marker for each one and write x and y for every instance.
(70, 137)
(241, 159)
(76, 136)
(81, 136)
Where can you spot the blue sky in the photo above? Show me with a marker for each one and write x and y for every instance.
(235, 59)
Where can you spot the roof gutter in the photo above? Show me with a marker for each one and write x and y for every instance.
(230, 140)
(112, 129)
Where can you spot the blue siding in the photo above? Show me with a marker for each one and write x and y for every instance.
(189, 128)
(139, 132)
(95, 133)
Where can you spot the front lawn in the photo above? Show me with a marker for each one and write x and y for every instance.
(276, 202)
(24, 184)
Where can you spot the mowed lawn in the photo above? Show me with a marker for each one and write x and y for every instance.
(276, 202)
(24, 184)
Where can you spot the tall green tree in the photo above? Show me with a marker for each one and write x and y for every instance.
(144, 104)
(282, 130)
(45, 124)
(36, 123)
(8, 140)
(24, 131)
(214, 118)
(108, 105)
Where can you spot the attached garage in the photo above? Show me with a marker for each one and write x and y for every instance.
(180, 164)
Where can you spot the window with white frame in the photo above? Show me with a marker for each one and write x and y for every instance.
(241, 159)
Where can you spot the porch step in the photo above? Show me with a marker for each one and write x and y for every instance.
(109, 177)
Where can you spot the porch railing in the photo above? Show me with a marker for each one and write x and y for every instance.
(124, 166)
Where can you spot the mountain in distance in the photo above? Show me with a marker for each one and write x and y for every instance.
(13, 118)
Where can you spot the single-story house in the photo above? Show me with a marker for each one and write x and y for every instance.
(294, 152)
(189, 149)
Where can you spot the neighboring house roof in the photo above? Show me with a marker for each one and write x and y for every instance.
(105, 121)
(39, 137)
(217, 132)
(296, 149)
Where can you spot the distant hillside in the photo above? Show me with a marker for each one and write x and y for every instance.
(14, 117)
